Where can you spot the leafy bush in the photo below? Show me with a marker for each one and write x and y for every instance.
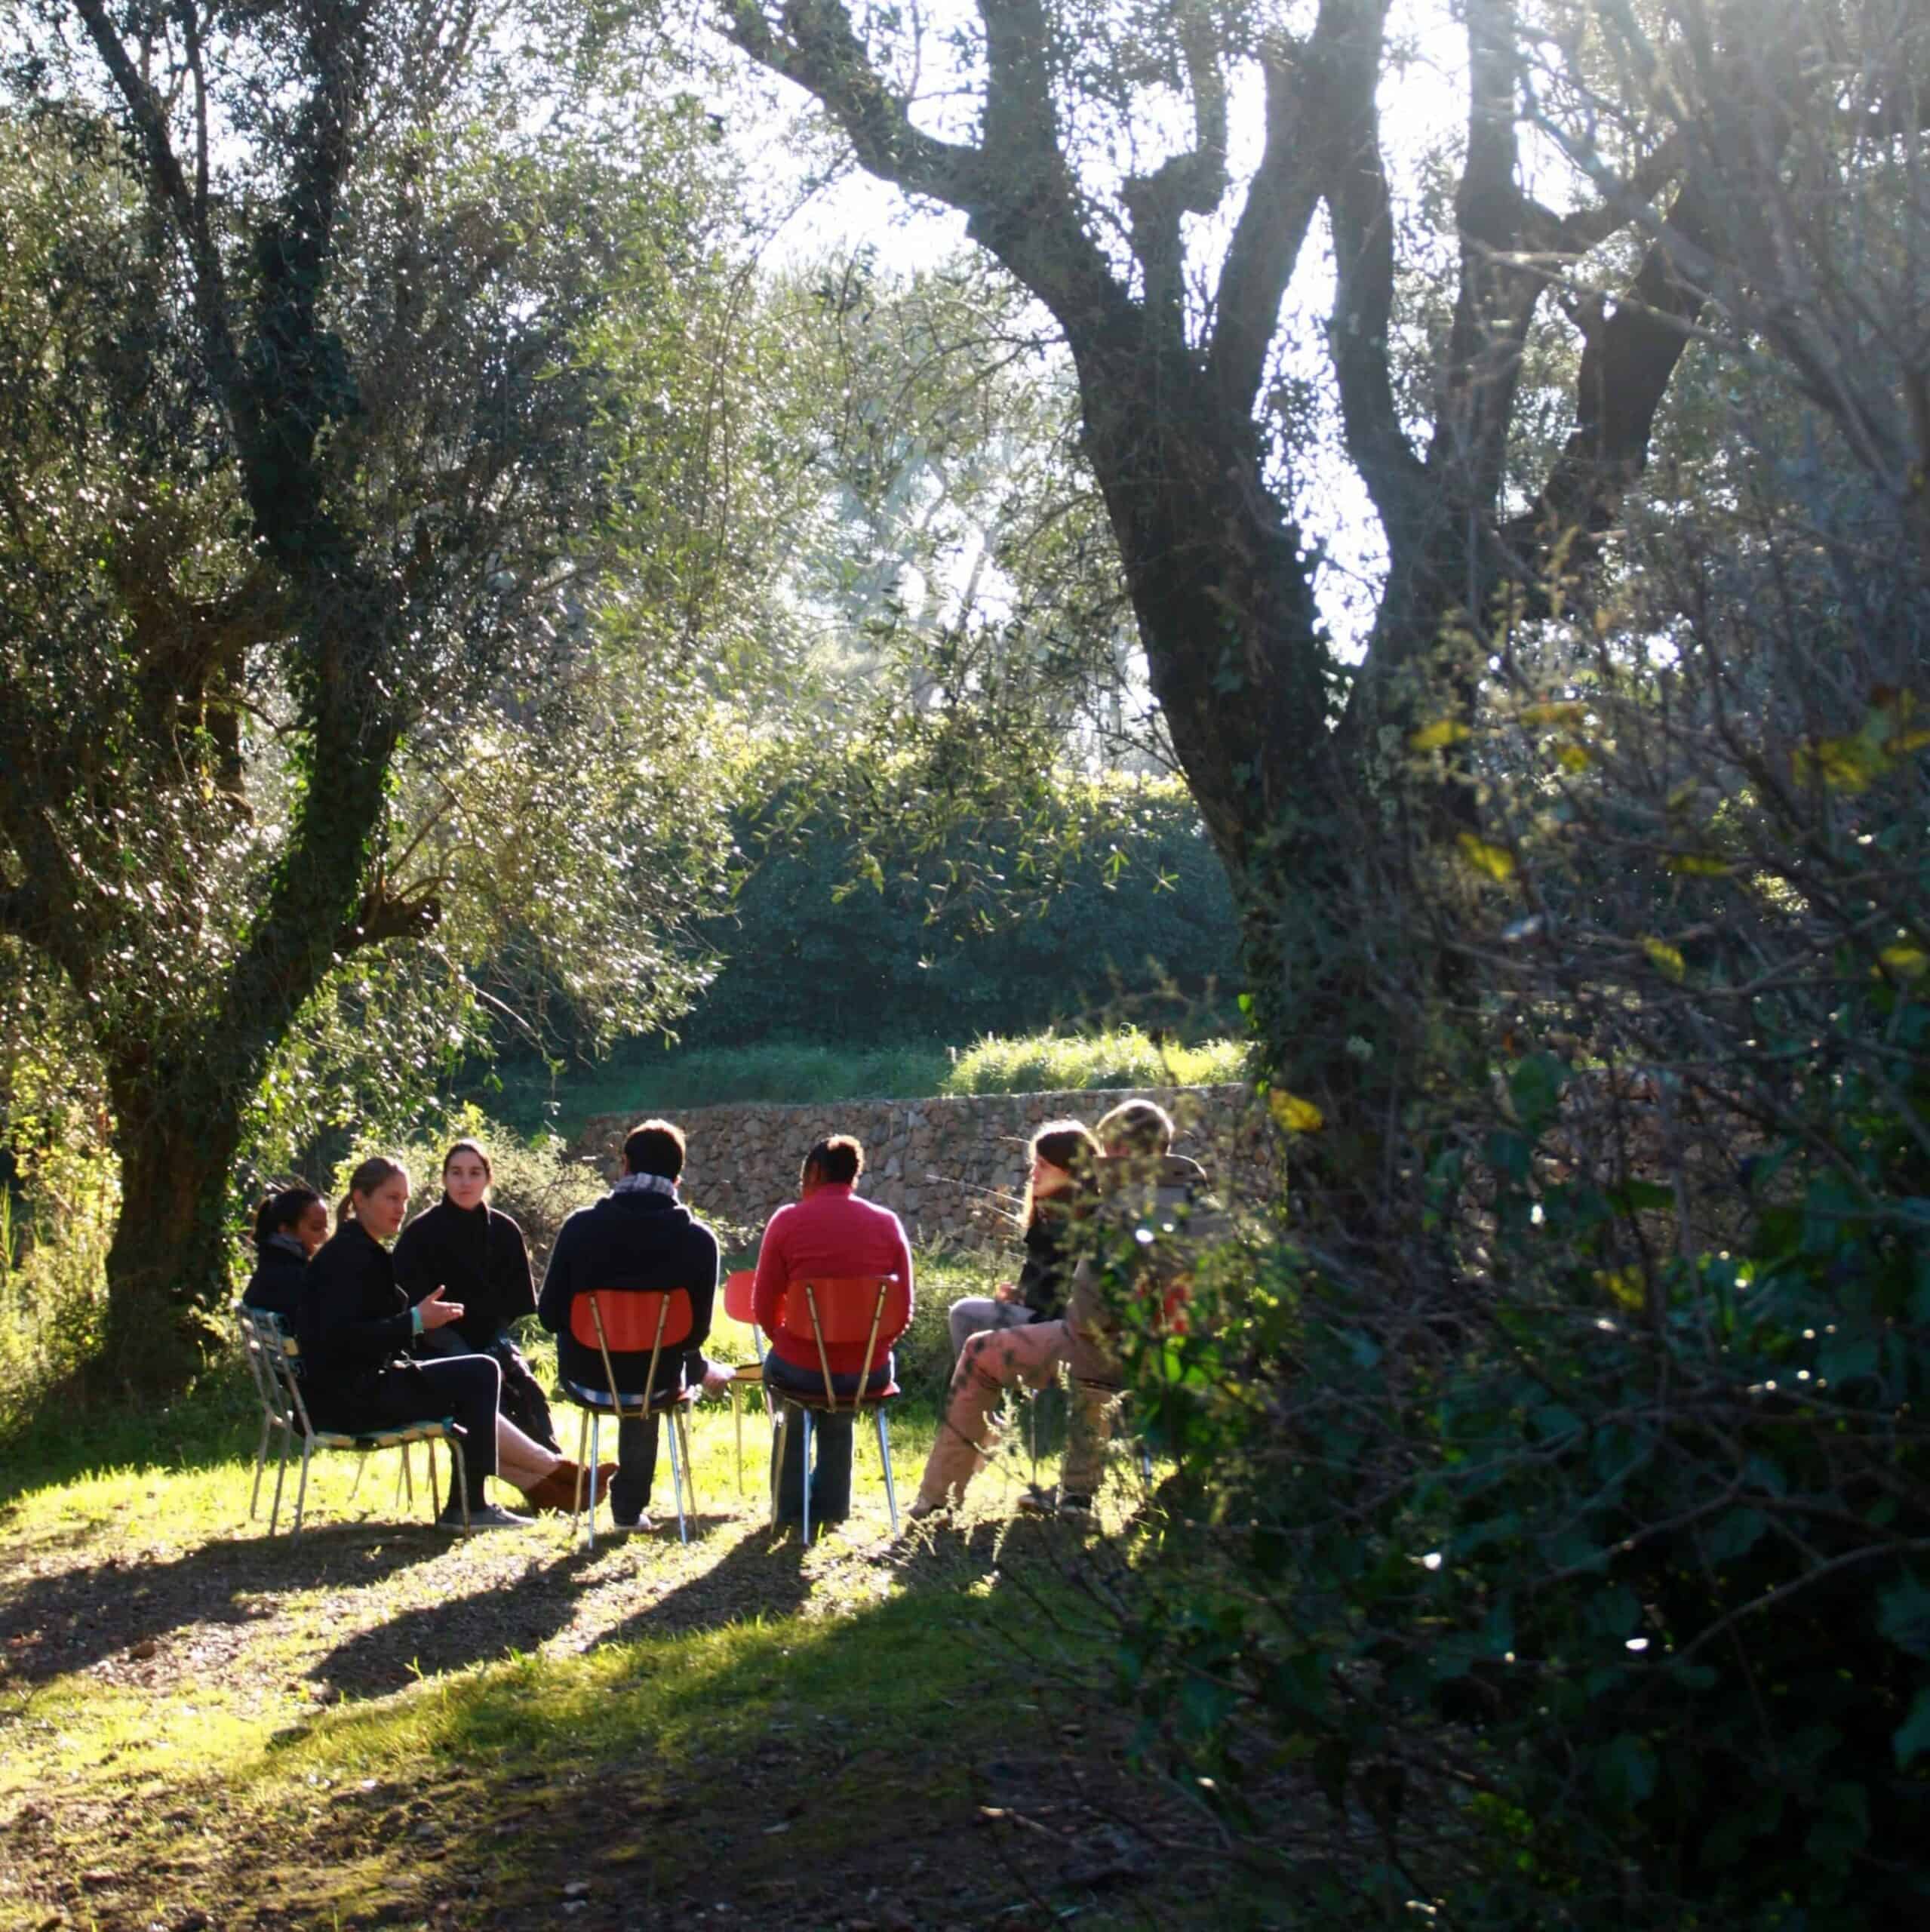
(838, 937)
(1122, 1056)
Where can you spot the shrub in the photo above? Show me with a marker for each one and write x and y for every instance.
(1122, 1056)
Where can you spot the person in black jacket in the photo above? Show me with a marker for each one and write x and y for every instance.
(290, 1225)
(360, 1370)
(1058, 1193)
(475, 1253)
(639, 1235)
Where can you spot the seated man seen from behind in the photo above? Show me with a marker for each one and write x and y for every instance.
(639, 1235)
(827, 1233)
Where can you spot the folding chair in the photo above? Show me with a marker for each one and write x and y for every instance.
(844, 1308)
(631, 1320)
(274, 1358)
(737, 1286)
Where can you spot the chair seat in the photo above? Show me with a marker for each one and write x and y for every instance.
(383, 1438)
(834, 1404)
(626, 1404)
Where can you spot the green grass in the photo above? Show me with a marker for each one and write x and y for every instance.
(384, 1725)
(639, 1080)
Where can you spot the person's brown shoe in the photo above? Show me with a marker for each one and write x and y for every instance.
(557, 1491)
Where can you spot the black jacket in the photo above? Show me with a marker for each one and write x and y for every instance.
(275, 1286)
(631, 1241)
(355, 1322)
(476, 1255)
(1051, 1255)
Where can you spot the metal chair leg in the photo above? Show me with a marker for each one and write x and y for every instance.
(780, 1429)
(736, 1416)
(884, 1456)
(281, 1471)
(462, 1481)
(689, 1461)
(302, 1492)
(435, 1487)
(582, 1474)
(677, 1482)
(596, 1450)
(261, 1462)
(806, 1491)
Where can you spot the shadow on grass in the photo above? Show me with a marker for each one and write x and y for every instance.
(78, 1617)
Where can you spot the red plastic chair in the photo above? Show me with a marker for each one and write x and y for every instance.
(875, 1310)
(737, 1286)
(629, 1321)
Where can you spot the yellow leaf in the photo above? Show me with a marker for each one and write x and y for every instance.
(1624, 1284)
(1843, 765)
(1497, 861)
(1444, 731)
(1574, 757)
(1905, 962)
(1563, 711)
(1296, 1115)
(1910, 741)
(1666, 960)
(1696, 865)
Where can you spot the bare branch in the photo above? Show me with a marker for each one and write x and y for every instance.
(1285, 189)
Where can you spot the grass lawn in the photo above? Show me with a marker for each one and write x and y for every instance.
(203, 1726)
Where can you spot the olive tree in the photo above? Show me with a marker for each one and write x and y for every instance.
(318, 431)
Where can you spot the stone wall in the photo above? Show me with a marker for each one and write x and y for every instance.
(927, 1160)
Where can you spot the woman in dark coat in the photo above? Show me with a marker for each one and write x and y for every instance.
(477, 1255)
(290, 1225)
(361, 1369)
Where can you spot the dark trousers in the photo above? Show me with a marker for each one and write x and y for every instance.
(521, 1400)
(636, 1464)
(466, 1387)
(830, 1480)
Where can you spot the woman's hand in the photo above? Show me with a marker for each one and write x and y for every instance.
(437, 1313)
(1005, 1291)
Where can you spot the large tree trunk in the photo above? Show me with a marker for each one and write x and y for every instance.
(167, 1268)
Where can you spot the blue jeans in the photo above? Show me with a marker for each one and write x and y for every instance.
(830, 1480)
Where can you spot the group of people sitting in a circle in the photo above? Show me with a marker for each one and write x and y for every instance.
(394, 1330)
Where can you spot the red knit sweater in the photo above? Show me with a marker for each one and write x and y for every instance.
(832, 1233)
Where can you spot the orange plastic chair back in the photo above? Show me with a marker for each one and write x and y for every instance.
(630, 1317)
(737, 1286)
(847, 1306)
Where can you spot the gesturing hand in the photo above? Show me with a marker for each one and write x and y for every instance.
(437, 1313)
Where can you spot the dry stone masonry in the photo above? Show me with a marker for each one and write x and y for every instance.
(952, 1168)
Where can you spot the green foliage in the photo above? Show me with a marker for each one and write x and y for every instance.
(940, 923)
(1120, 1057)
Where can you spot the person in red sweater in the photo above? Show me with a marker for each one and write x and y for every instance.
(826, 1231)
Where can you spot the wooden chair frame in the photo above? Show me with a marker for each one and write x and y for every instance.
(785, 1400)
(620, 1405)
(275, 1359)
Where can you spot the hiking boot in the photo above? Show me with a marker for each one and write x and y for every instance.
(1080, 1507)
(1037, 1501)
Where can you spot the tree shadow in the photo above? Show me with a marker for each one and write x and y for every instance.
(79, 1617)
(450, 1634)
(760, 1578)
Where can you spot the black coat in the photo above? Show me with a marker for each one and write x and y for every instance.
(1045, 1282)
(275, 1286)
(354, 1323)
(478, 1257)
(631, 1241)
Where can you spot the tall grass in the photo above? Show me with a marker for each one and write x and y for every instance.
(1044, 1062)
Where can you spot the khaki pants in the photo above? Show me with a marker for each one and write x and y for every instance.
(1095, 1398)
